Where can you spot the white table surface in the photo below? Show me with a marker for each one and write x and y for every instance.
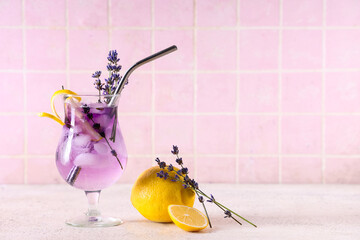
(280, 211)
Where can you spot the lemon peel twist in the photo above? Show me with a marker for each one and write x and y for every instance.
(55, 116)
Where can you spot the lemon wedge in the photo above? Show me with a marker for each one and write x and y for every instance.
(187, 218)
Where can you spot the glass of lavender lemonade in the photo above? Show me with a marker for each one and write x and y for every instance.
(91, 154)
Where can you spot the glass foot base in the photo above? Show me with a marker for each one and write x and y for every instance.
(94, 222)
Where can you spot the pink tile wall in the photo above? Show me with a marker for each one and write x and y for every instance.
(259, 91)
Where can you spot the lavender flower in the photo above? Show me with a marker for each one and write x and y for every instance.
(97, 74)
(115, 68)
(184, 171)
(175, 150)
(212, 199)
(110, 84)
(179, 161)
(170, 168)
(227, 214)
(98, 84)
(162, 165)
(86, 108)
(160, 174)
(113, 57)
(182, 176)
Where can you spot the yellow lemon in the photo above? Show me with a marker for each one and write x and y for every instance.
(187, 218)
(151, 195)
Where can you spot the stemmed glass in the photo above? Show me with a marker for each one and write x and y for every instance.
(91, 154)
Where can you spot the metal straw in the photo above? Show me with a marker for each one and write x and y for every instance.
(138, 64)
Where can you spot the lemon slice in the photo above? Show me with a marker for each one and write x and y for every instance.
(187, 218)
(44, 114)
(57, 93)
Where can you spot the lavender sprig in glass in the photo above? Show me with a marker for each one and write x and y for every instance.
(110, 84)
(182, 176)
(98, 84)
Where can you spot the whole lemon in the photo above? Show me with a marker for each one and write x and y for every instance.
(152, 195)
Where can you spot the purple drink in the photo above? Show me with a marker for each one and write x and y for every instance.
(86, 156)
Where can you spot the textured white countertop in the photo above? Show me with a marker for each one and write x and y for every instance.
(280, 211)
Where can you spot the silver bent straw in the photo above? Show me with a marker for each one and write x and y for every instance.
(138, 64)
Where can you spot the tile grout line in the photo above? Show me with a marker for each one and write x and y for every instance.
(280, 91)
(152, 83)
(323, 97)
(67, 44)
(109, 24)
(199, 71)
(25, 160)
(355, 156)
(195, 86)
(339, 114)
(237, 119)
(189, 28)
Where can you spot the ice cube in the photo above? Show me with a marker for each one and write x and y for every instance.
(77, 129)
(98, 107)
(91, 160)
(81, 141)
(103, 120)
(108, 132)
(101, 148)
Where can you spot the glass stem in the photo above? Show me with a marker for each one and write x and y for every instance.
(93, 202)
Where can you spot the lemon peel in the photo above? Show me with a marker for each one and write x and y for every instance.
(57, 93)
(44, 114)
(55, 116)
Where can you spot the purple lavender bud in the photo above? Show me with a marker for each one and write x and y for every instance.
(227, 214)
(160, 174)
(186, 179)
(115, 77)
(175, 150)
(98, 84)
(114, 153)
(212, 199)
(109, 67)
(170, 168)
(179, 161)
(113, 57)
(116, 68)
(184, 171)
(162, 165)
(97, 74)
(90, 115)
(85, 108)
